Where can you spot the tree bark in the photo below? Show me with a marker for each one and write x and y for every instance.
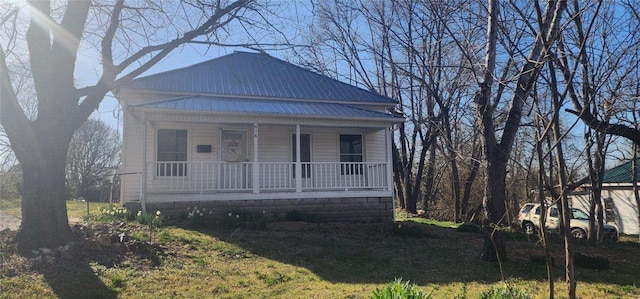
(494, 249)
(44, 212)
(468, 184)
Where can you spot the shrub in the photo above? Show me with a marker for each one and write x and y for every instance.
(505, 293)
(399, 290)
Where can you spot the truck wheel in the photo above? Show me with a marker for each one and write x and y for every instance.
(578, 233)
(529, 228)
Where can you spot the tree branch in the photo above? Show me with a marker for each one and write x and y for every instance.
(606, 127)
(549, 32)
(108, 82)
(167, 47)
(13, 119)
(107, 41)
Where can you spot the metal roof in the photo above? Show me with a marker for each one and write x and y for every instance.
(621, 174)
(269, 107)
(256, 75)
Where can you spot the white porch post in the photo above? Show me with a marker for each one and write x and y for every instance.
(389, 159)
(256, 167)
(143, 191)
(298, 164)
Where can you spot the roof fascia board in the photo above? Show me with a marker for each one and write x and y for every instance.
(127, 93)
(158, 114)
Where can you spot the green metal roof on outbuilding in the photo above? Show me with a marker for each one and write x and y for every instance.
(622, 173)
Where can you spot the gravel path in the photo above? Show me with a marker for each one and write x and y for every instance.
(9, 221)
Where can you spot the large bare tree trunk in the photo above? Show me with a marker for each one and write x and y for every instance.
(44, 211)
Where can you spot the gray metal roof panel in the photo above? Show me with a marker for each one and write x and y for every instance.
(255, 75)
(264, 106)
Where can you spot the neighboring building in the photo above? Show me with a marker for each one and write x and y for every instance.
(618, 201)
(233, 133)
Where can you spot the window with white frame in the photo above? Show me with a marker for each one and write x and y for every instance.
(171, 153)
(351, 154)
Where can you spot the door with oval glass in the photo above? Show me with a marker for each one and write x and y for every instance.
(234, 172)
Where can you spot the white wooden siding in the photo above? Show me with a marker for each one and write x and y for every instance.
(325, 145)
(375, 149)
(624, 207)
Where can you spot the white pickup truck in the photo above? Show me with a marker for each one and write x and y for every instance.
(529, 219)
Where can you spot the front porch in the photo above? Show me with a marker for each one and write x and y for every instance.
(212, 161)
(260, 177)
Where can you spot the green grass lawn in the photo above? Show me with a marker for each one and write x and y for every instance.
(76, 210)
(289, 260)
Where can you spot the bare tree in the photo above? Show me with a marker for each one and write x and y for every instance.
(93, 152)
(128, 38)
(401, 49)
(561, 189)
(496, 152)
(597, 76)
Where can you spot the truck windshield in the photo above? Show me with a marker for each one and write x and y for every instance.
(579, 214)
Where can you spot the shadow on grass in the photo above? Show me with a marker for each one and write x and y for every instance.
(75, 279)
(358, 253)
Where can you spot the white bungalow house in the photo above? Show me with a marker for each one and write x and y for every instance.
(249, 131)
(618, 201)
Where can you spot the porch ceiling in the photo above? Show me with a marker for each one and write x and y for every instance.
(269, 108)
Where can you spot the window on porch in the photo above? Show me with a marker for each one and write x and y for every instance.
(171, 150)
(351, 154)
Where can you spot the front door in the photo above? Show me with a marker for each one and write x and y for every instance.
(234, 153)
(305, 157)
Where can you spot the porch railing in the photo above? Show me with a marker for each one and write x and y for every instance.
(196, 177)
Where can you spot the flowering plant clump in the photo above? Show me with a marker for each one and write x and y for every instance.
(110, 214)
(153, 221)
(198, 216)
